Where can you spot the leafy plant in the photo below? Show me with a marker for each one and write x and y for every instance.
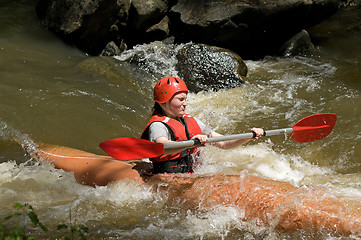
(80, 230)
(19, 232)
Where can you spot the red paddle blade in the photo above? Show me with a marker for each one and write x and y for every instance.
(313, 127)
(131, 148)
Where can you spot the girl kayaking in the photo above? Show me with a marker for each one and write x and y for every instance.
(169, 122)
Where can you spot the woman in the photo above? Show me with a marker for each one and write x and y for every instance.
(169, 122)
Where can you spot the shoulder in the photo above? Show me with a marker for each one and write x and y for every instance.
(156, 130)
(154, 126)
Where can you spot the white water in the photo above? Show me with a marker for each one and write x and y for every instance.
(129, 210)
(51, 93)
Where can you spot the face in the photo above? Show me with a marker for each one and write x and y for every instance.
(176, 106)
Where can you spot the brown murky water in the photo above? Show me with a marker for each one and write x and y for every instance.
(53, 93)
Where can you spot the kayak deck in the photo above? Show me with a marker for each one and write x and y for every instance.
(89, 169)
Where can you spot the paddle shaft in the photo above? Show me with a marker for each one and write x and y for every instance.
(308, 129)
(190, 143)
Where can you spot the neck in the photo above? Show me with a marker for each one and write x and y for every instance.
(174, 117)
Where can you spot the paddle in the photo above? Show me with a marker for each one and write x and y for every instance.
(308, 129)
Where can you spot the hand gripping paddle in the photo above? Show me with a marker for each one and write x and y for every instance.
(308, 129)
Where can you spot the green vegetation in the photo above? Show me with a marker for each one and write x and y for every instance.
(18, 232)
(74, 230)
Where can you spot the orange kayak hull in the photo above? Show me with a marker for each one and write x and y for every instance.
(89, 169)
(277, 204)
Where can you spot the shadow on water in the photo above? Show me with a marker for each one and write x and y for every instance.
(339, 39)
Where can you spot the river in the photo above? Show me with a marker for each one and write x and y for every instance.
(53, 93)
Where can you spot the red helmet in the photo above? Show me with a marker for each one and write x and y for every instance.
(166, 87)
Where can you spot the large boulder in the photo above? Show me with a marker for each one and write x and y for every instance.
(206, 67)
(250, 28)
(203, 67)
(88, 24)
(299, 45)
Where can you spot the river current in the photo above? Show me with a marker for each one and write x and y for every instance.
(53, 93)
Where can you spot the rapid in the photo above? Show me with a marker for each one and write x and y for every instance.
(53, 93)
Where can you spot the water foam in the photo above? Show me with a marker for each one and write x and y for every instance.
(231, 111)
(156, 57)
(259, 159)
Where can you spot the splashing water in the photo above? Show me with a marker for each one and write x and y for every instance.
(54, 94)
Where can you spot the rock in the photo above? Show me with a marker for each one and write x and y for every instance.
(159, 31)
(111, 49)
(64, 16)
(210, 68)
(300, 44)
(147, 21)
(146, 13)
(201, 66)
(344, 24)
(252, 29)
(88, 24)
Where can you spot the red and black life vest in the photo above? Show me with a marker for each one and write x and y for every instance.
(179, 131)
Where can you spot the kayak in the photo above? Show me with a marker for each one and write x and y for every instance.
(89, 169)
(277, 204)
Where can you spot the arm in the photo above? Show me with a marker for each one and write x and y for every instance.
(235, 143)
(202, 138)
(159, 133)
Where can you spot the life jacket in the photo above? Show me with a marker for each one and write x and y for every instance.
(179, 132)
